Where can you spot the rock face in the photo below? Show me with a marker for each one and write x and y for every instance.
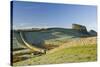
(82, 29)
(93, 33)
(79, 27)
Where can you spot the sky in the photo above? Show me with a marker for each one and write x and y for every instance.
(46, 15)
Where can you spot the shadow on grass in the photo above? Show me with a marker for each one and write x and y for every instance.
(17, 59)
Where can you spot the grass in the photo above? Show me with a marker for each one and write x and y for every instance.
(67, 48)
(79, 53)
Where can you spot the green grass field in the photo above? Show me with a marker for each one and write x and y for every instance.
(79, 53)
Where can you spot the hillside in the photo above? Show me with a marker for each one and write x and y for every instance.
(48, 37)
(54, 45)
(77, 50)
(51, 36)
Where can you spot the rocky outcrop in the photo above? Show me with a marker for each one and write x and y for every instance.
(83, 30)
(93, 33)
(80, 28)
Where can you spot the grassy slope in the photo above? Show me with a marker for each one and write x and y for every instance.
(82, 51)
(52, 36)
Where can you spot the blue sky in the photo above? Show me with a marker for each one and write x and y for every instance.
(43, 15)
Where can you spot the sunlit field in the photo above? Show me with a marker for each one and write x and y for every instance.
(76, 50)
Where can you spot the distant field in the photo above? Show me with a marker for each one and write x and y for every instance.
(79, 50)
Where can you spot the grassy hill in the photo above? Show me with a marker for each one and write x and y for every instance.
(62, 45)
(52, 36)
(77, 50)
